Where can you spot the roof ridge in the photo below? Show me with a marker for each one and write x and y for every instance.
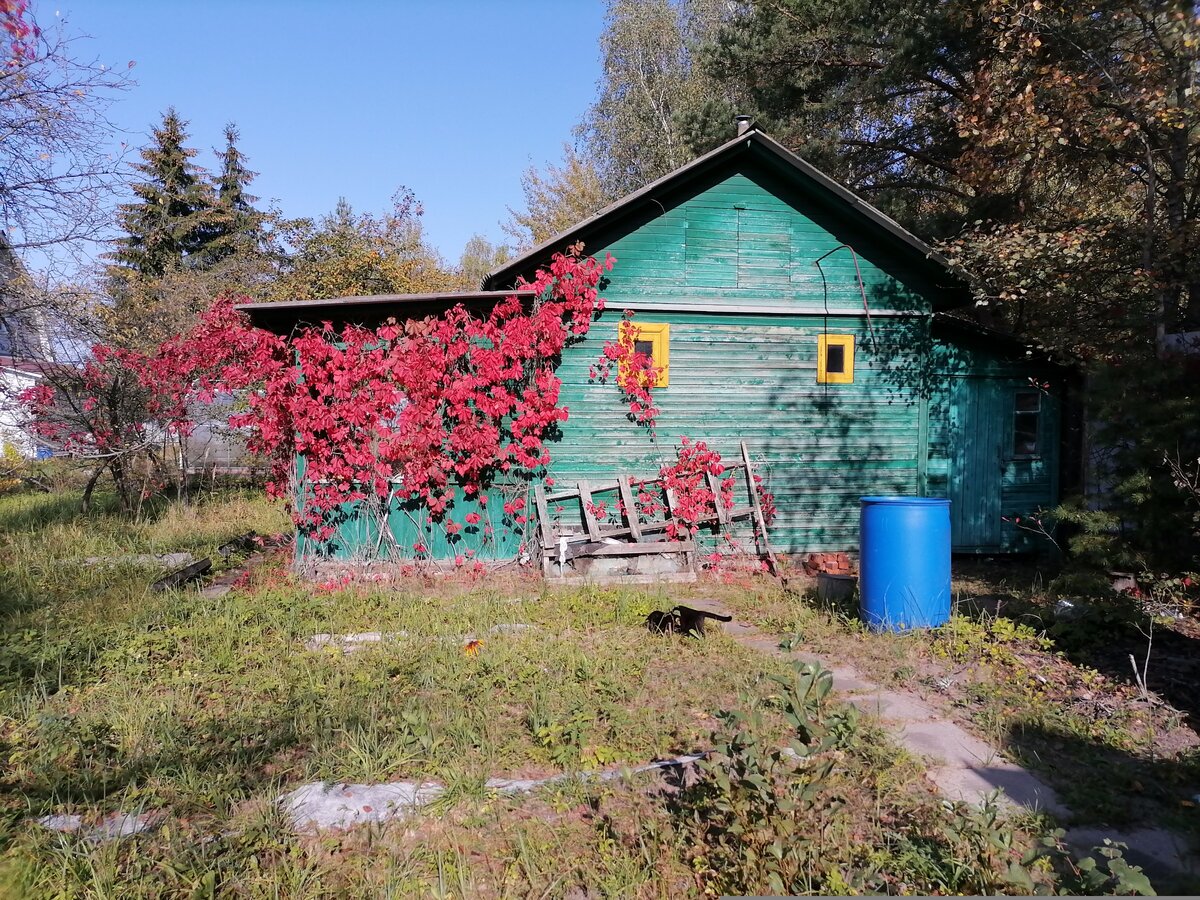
(749, 139)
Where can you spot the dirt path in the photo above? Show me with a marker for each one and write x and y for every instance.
(962, 766)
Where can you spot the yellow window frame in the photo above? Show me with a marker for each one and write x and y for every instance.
(659, 336)
(824, 342)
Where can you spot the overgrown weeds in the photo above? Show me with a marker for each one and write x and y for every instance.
(1049, 682)
(789, 818)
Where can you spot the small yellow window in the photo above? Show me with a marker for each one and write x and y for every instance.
(654, 340)
(835, 359)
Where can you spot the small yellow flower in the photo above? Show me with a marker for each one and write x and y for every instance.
(472, 648)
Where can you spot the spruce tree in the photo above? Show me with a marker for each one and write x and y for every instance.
(171, 219)
(235, 225)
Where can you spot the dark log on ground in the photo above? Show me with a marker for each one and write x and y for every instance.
(182, 576)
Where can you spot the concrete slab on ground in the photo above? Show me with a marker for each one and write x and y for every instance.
(1160, 853)
(964, 767)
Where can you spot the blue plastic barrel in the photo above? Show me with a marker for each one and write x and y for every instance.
(904, 578)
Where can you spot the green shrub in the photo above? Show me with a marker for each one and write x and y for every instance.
(1148, 411)
(759, 804)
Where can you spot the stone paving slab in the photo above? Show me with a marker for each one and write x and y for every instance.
(143, 560)
(963, 767)
(1160, 853)
(321, 805)
(112, 827)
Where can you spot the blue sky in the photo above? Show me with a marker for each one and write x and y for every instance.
(451, 98)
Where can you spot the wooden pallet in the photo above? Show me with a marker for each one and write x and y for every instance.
(632, 537)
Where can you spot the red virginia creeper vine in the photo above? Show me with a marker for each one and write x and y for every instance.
(411, 412)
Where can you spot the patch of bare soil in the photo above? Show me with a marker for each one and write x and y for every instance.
(1168, 653)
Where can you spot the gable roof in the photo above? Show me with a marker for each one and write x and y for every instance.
(755, 144)
(282, 317)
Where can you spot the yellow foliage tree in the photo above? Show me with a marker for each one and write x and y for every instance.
(346, 254)
(556, 199)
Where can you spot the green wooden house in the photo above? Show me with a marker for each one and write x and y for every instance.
(793, 316)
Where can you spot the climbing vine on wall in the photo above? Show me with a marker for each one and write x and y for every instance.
(411, 412)
(687, 478)
(687, 475)
(421, 411)
(636, 373)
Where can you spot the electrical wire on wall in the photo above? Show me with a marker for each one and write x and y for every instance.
(861, 289)
(825, 324)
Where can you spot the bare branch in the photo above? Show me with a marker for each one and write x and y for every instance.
(56, 171)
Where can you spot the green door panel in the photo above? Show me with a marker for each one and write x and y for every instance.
(977, 453)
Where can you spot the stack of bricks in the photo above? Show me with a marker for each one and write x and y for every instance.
(831, 563)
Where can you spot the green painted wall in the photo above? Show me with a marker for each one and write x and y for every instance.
(972, 458)
(744, 366)
(753, 378)
(731, 270)
(495, 536)
(751, 238)
(728, 262)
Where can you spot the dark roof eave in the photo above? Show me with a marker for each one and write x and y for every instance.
(281, 317)
(943, 322)
(507, 273)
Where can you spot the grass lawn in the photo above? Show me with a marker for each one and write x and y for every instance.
(207, 709)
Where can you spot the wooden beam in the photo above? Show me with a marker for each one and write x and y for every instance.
(657, 578)
(671, 501)
(644, 549)
(597, 487)
(631, 510)
(760, 523)
(543, 513)
(588, 538)
(583, 544)
(583, 540)
(182, 576)
(690, 556)
(589, 517)
(755, 505)
(714, 485)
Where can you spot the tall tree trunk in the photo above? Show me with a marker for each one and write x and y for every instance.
(91, 486)
(182, 490)
(1176, 186)
(120, 474)
(1149, 234)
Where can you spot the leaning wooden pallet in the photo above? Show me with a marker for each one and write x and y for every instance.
(562, 542)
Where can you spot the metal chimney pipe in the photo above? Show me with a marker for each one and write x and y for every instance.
(743, 124)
